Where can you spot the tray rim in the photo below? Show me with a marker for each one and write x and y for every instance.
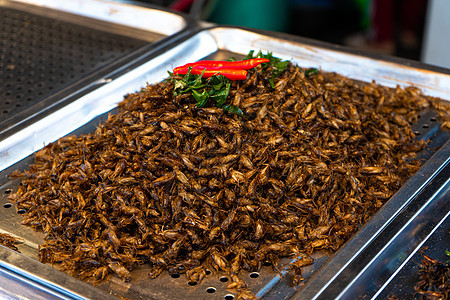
(46, 278)
(129, 18)
(334, 51)
(327, 45)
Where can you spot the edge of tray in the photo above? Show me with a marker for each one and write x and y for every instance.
(387, 70)
(40, 279)
(130, 19)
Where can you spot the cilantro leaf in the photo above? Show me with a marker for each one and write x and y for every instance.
(214, 89)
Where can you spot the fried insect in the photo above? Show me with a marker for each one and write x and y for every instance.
(434, 280)
(182, 188)
(8, 241)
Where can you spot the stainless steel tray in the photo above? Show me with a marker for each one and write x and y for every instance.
(421, 200)
(52, 49)
(434, 246)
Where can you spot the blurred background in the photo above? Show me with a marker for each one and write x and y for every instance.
(414, 29)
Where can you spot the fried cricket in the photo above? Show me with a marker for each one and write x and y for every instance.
(184, 188)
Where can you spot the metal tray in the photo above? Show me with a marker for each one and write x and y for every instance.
(51, 49)
(386, 240)
(434, 246)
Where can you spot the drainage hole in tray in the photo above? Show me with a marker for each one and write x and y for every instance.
(207, 271)
(425, 126)
(267, 263)
(192, 283)
(21, 211)
(416, 133)
(254, 275)
(211, 290)
(229, 297)
(8, 191)
(223, 279)
(175, 275)
(7, 205)
(433, 119)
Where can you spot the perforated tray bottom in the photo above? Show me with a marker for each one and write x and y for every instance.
(40, 55)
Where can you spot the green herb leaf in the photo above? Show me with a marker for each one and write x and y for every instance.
(311, 71)
(276, 64)
(220, 96)
(214, 90)
(197, 83)
(216, 81)
(188, 83)
(200, 98)
(250, 54)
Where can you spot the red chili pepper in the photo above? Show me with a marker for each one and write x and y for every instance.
(228, 73)
(218, 65)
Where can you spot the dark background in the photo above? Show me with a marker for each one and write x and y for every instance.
(393, 27)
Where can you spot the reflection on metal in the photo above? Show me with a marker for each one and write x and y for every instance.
(25, 278)
(116, 13)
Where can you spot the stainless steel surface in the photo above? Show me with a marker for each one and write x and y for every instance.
(220, 43)
(25, 278)
(52, 50)
(405, 278)
(128, 19)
